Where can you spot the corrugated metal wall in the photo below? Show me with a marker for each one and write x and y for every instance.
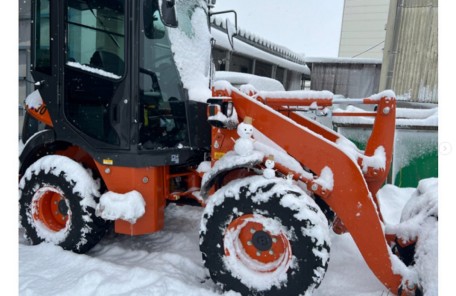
(411, 53)
(349, 80)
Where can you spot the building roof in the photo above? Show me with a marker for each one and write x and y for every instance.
(257, 47)
(342, 60)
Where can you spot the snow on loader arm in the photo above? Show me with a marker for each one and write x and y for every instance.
(345, 178)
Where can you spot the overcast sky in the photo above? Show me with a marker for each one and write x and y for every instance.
(311, 27)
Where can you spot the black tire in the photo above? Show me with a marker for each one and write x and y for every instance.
(302, 224)
(54, 188)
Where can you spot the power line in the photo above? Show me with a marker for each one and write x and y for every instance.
(368, 49)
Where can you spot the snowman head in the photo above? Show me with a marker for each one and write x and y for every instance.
(269, 163)
(245, 129)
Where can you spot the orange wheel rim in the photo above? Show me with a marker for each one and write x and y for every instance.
(51, 208)
(256, 246)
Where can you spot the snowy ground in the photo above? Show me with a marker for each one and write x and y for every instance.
(169, 262)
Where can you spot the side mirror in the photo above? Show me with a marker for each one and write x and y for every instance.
(168, 11)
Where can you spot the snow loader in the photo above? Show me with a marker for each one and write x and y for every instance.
(125, 119)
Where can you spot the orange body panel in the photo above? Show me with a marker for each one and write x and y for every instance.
(147, 181)
(41, 114)
(313, 146)
(222, 141)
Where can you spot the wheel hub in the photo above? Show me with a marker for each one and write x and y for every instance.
(262, 241)
(50, 208)
(251, 239)
(63, 208)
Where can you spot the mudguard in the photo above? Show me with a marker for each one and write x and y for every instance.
(31, 148)
(229, 162)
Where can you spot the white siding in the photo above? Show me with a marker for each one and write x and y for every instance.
(363, 28)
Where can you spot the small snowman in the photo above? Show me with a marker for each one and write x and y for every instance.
(269, 172)
(289, 179)
(244, 145)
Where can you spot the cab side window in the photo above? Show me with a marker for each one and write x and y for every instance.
(96, 37)
(42, 38)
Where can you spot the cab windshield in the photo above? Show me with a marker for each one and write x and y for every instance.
(174, 65)
(162, 100)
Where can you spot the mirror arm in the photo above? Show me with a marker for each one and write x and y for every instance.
(227, 11)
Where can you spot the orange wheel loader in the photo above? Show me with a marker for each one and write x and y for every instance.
(125, 116)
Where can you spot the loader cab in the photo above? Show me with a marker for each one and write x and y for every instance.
(110, 81)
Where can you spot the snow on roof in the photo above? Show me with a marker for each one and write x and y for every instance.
(269, 46)
(261, 48)
(343, 60)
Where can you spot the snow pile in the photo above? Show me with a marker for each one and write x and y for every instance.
(34, 100)
(404, 117)
(248, 89)
(191, 46)
(419, 221)
(349, 148)
(255, 82)
(297, 94)
(222, 85)
(376, 161)
(389, 94)
(158, 264)
(166, 263)
(129, 206)
(204, 167)
(326, 179)
(417, 117)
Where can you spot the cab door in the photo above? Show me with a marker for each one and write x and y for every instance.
(96, 89)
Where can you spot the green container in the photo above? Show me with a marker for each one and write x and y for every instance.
(415, 155)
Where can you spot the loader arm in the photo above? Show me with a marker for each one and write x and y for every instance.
(351, 199)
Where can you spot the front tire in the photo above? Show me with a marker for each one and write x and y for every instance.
(264, 237)
(57, 204)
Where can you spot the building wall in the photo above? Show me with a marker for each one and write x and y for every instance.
(352, 80)
(363, 28)
(410, 63)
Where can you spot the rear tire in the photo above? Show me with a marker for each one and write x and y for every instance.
(264, 237)
(57, 205)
